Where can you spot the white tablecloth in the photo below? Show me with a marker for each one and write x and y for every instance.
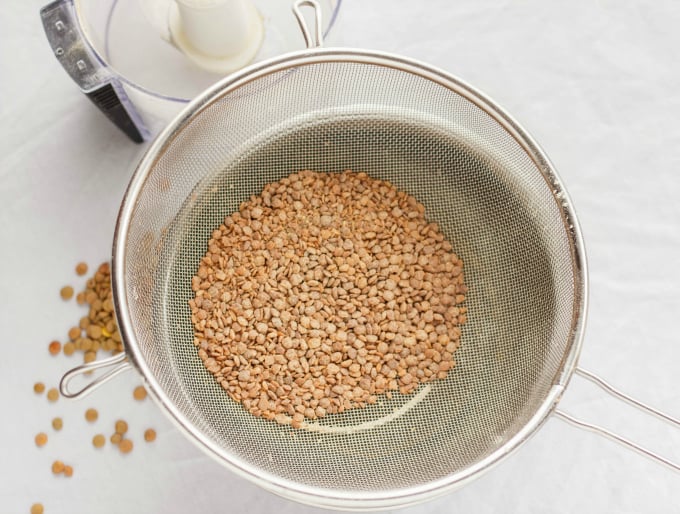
(596, 83)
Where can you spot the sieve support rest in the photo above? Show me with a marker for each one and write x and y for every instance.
(568, 418)
(119, 363)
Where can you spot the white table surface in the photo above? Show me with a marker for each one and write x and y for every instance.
(596, 83)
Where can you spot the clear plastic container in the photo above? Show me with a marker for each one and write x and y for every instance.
(121, 55)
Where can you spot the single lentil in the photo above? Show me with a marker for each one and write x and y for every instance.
(139, 393)
(81, 268)
(91, 415)
(99, 440)
(41, 439)
(121, 427)
(57, 467)
(94, 331)
(57, 423)
(53, 394)
(38, 388)
(54, 347)
(66, 292)
(125, 446)
(149, 435)
(37, 508)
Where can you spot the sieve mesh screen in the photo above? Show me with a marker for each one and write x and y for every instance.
(488, 196)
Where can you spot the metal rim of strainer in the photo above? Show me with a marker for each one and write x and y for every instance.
(315, 495)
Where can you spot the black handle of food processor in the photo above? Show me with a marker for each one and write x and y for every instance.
(109, 102)
(72, 50)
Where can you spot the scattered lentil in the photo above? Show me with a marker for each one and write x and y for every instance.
(121, 427)
(125, 446)
(149, 435)
(98, 441)
(57, 467)
(74, 333)
(37, 508)
(38, 388)
(54, 347)
(53, 394)
(66, 292)
(41, 439)
(68, 470)
(81, 268)
(91, 415)
(57, 423)
(116, 438)
(69, 348)
(139, 393)
(360, 281)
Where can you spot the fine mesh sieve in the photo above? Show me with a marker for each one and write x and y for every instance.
(481, 178)
(495, 202)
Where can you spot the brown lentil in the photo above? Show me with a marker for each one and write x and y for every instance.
(139, 393)
(121, 427)
(37, 508)
(68, 470)
(116, 438)
(38, 388)
(125, 446)
(99, 440)
(149, 435)
(54, 347)
(66, 292)
(360, 280)
(57, 467)
(74, 333)
(94, 331)
(53, 394)
(57, 423)
(81, 268)
(41, 439)
(91, 415)
(69, 348)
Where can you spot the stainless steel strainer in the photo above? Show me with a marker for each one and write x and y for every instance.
(482, 179)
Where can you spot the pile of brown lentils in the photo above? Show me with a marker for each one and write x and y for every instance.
(95, 332)
(323, 292)
(98, 330)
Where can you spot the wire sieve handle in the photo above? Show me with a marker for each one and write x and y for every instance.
(318, 31)
(119, 363)
(613, 436)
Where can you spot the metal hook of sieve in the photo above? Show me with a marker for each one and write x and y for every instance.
(119, 362)
(613, 436)
(318, 31)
